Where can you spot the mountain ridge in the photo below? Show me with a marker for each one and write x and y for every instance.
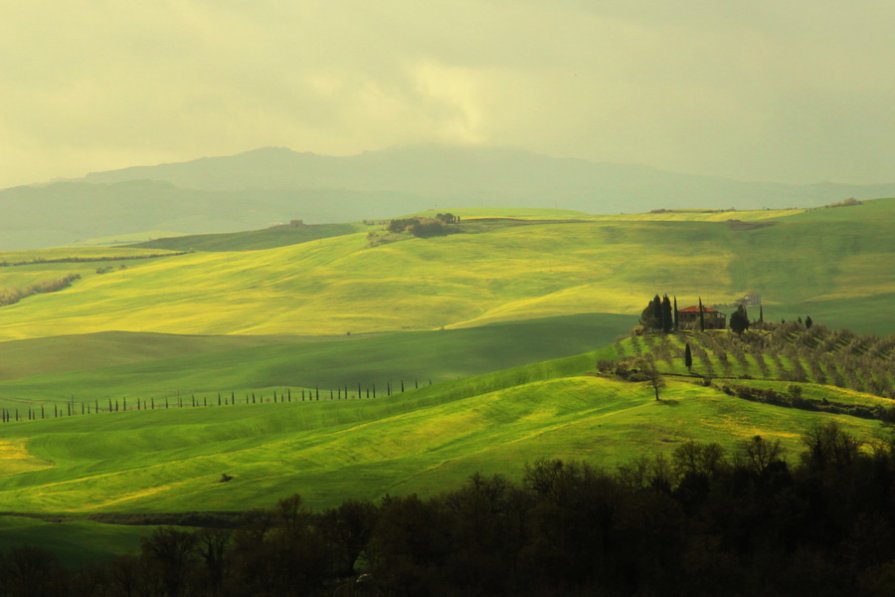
(271, 185)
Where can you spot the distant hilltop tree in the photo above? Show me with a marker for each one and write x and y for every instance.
(424, 227)
(850, 202)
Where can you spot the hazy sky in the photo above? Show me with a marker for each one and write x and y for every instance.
(794, 90)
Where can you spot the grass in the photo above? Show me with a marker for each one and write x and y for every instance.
(277, 236)
(114, 365)
(75, 542)
(834, 268)
(506, 295)
(421, 441)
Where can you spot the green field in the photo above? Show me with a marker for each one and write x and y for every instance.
(832, 266)
(483, 315)
(115, 364)
(277, 236)
(419, 441)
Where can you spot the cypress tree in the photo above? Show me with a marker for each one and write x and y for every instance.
(808, 322)
(667, 315)
(739, 321)
(675, 314)
(760, 313)
(688, 357)
(701, 316)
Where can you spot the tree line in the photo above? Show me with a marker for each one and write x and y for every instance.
(114, 405)
(10, 296)
(703, 521)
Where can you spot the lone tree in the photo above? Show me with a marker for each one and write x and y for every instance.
(808, 322)
(655, 379)
(688, 358)
(739, 321)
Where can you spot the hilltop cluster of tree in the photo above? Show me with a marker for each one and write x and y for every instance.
(702, 522)
(660, 315)
(424, 227)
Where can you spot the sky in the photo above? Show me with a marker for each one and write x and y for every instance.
(794, 91)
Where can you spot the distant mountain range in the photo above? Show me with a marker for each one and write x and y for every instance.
(272, 185)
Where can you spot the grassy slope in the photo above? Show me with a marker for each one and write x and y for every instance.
(113, 365)
(420, 441)
(75, 542)
(278, 236)
(339, 284)
(836, 268)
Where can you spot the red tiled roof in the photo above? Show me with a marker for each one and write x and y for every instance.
(695, 309)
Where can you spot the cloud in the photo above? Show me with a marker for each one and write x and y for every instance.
(796, 91)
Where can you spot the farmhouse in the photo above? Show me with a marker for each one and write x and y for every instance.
(688, 318)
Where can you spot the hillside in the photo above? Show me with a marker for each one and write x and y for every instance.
(268, 238)
(830, 263)
(115, 364)
(172, 459)
(272, 186)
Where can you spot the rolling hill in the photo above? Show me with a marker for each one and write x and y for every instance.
(830, 263)
(503, 318)
(169, 460)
